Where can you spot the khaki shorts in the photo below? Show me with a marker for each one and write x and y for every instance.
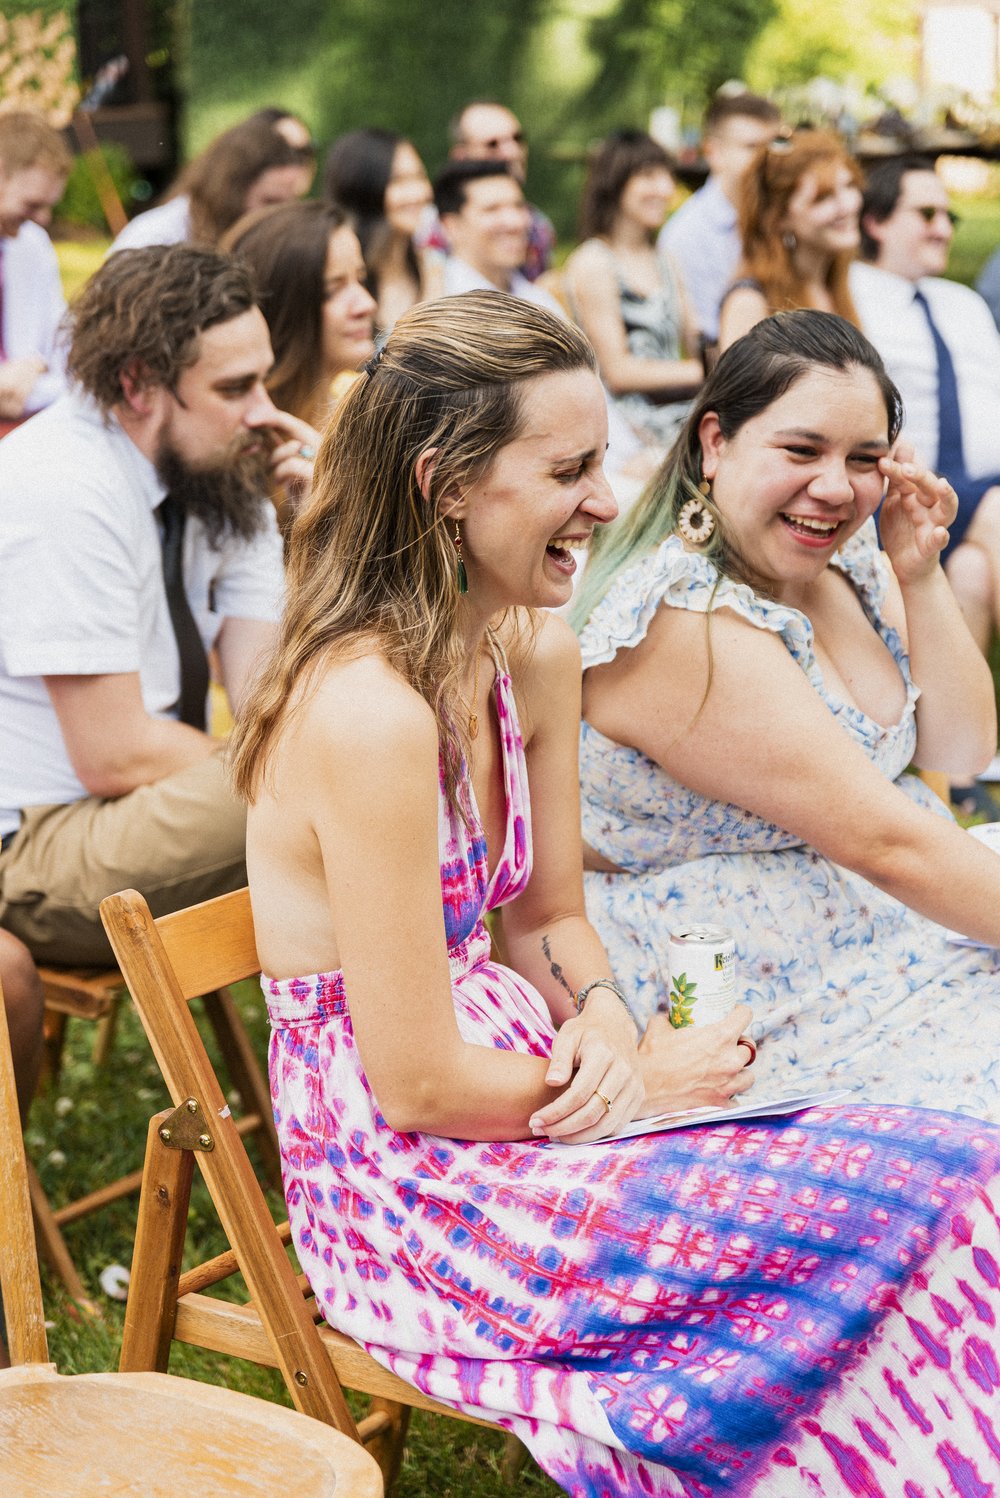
(178, 841)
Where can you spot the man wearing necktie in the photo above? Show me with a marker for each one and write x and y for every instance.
(942, 348)
(34, 164)
(135, 536)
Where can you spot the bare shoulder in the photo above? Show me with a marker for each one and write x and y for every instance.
(743, 307)
(556, 652)
(358, 713)
(544, 658)
(589, 261)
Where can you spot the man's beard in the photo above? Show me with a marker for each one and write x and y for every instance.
(229, 501)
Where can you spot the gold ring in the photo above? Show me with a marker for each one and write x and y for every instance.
(751, 1047)
(605, 1100)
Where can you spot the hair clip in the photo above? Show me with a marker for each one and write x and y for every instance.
(374, 361)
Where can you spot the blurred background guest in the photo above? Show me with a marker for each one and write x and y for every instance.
(309, 274)
(266, 159)
(800, 202)
(483, 213)
(34, 165)
(703, 236)
(624, 291)
(379, 180)
(486, 131)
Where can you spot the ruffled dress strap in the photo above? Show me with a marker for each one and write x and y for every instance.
(683, 579)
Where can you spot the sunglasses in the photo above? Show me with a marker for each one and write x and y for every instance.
(496, 141)
(929, 212)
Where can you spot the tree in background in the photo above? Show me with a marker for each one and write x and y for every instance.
(866, 41)
(405, 64)
(571, 69)
(651, 52)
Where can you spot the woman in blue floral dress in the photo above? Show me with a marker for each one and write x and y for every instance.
(752, 699)
(801, 1307)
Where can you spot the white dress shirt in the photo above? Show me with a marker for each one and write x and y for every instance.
(898, 328)
(169, 223)
(82, 587)
(33, 309)
(704, 239)
(460, 276)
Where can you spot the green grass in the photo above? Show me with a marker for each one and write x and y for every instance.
(95, 1118)
(976, 237)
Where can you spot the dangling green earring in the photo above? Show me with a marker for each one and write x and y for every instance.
(463, 576)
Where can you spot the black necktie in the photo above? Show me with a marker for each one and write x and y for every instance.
(950, 454)
(190, 648)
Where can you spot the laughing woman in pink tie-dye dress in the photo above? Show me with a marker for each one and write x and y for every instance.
(806, 1306)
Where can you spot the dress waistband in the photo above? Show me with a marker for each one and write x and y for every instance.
(323, 996)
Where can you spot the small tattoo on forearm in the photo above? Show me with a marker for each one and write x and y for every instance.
(554, 967)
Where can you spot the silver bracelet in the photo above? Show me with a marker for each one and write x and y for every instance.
(581, 997)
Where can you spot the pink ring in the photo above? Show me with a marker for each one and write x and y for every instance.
(751, 1047)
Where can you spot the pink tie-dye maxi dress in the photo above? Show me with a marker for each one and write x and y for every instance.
(804, 1306)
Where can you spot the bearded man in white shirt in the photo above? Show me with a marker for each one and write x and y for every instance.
(34, 165)
(136, 535)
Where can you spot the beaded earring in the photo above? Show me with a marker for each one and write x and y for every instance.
(695, 521)
(462, 575)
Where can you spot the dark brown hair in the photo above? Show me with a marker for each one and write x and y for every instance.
(356, 176)
(739, 106)
(883, 190)
(617, 159)
(752, 373)
(142, 313)
(285, 249)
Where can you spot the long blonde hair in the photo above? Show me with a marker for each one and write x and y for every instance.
(371, 562)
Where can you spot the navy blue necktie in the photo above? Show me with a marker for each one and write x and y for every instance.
(190, 647)
(950, 454)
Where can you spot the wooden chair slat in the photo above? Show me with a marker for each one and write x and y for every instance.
(77, 1436)
(166, 963)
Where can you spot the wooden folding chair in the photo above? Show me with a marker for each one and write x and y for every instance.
(114, 1432)
(166, 963)
(96, 995)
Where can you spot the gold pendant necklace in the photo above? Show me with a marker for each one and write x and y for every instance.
(473, 722)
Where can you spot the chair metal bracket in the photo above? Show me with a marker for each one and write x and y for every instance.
(187, 1128)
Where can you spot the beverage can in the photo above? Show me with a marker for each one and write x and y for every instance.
(702, 974)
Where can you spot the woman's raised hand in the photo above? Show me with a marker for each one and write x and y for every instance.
(699, 1066)
(916, 512)
(294, 454)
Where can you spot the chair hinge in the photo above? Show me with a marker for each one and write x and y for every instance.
(187, 1128)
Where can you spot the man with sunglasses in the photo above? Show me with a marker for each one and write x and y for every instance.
(937, 337)
(942, 348)
(486, 131)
